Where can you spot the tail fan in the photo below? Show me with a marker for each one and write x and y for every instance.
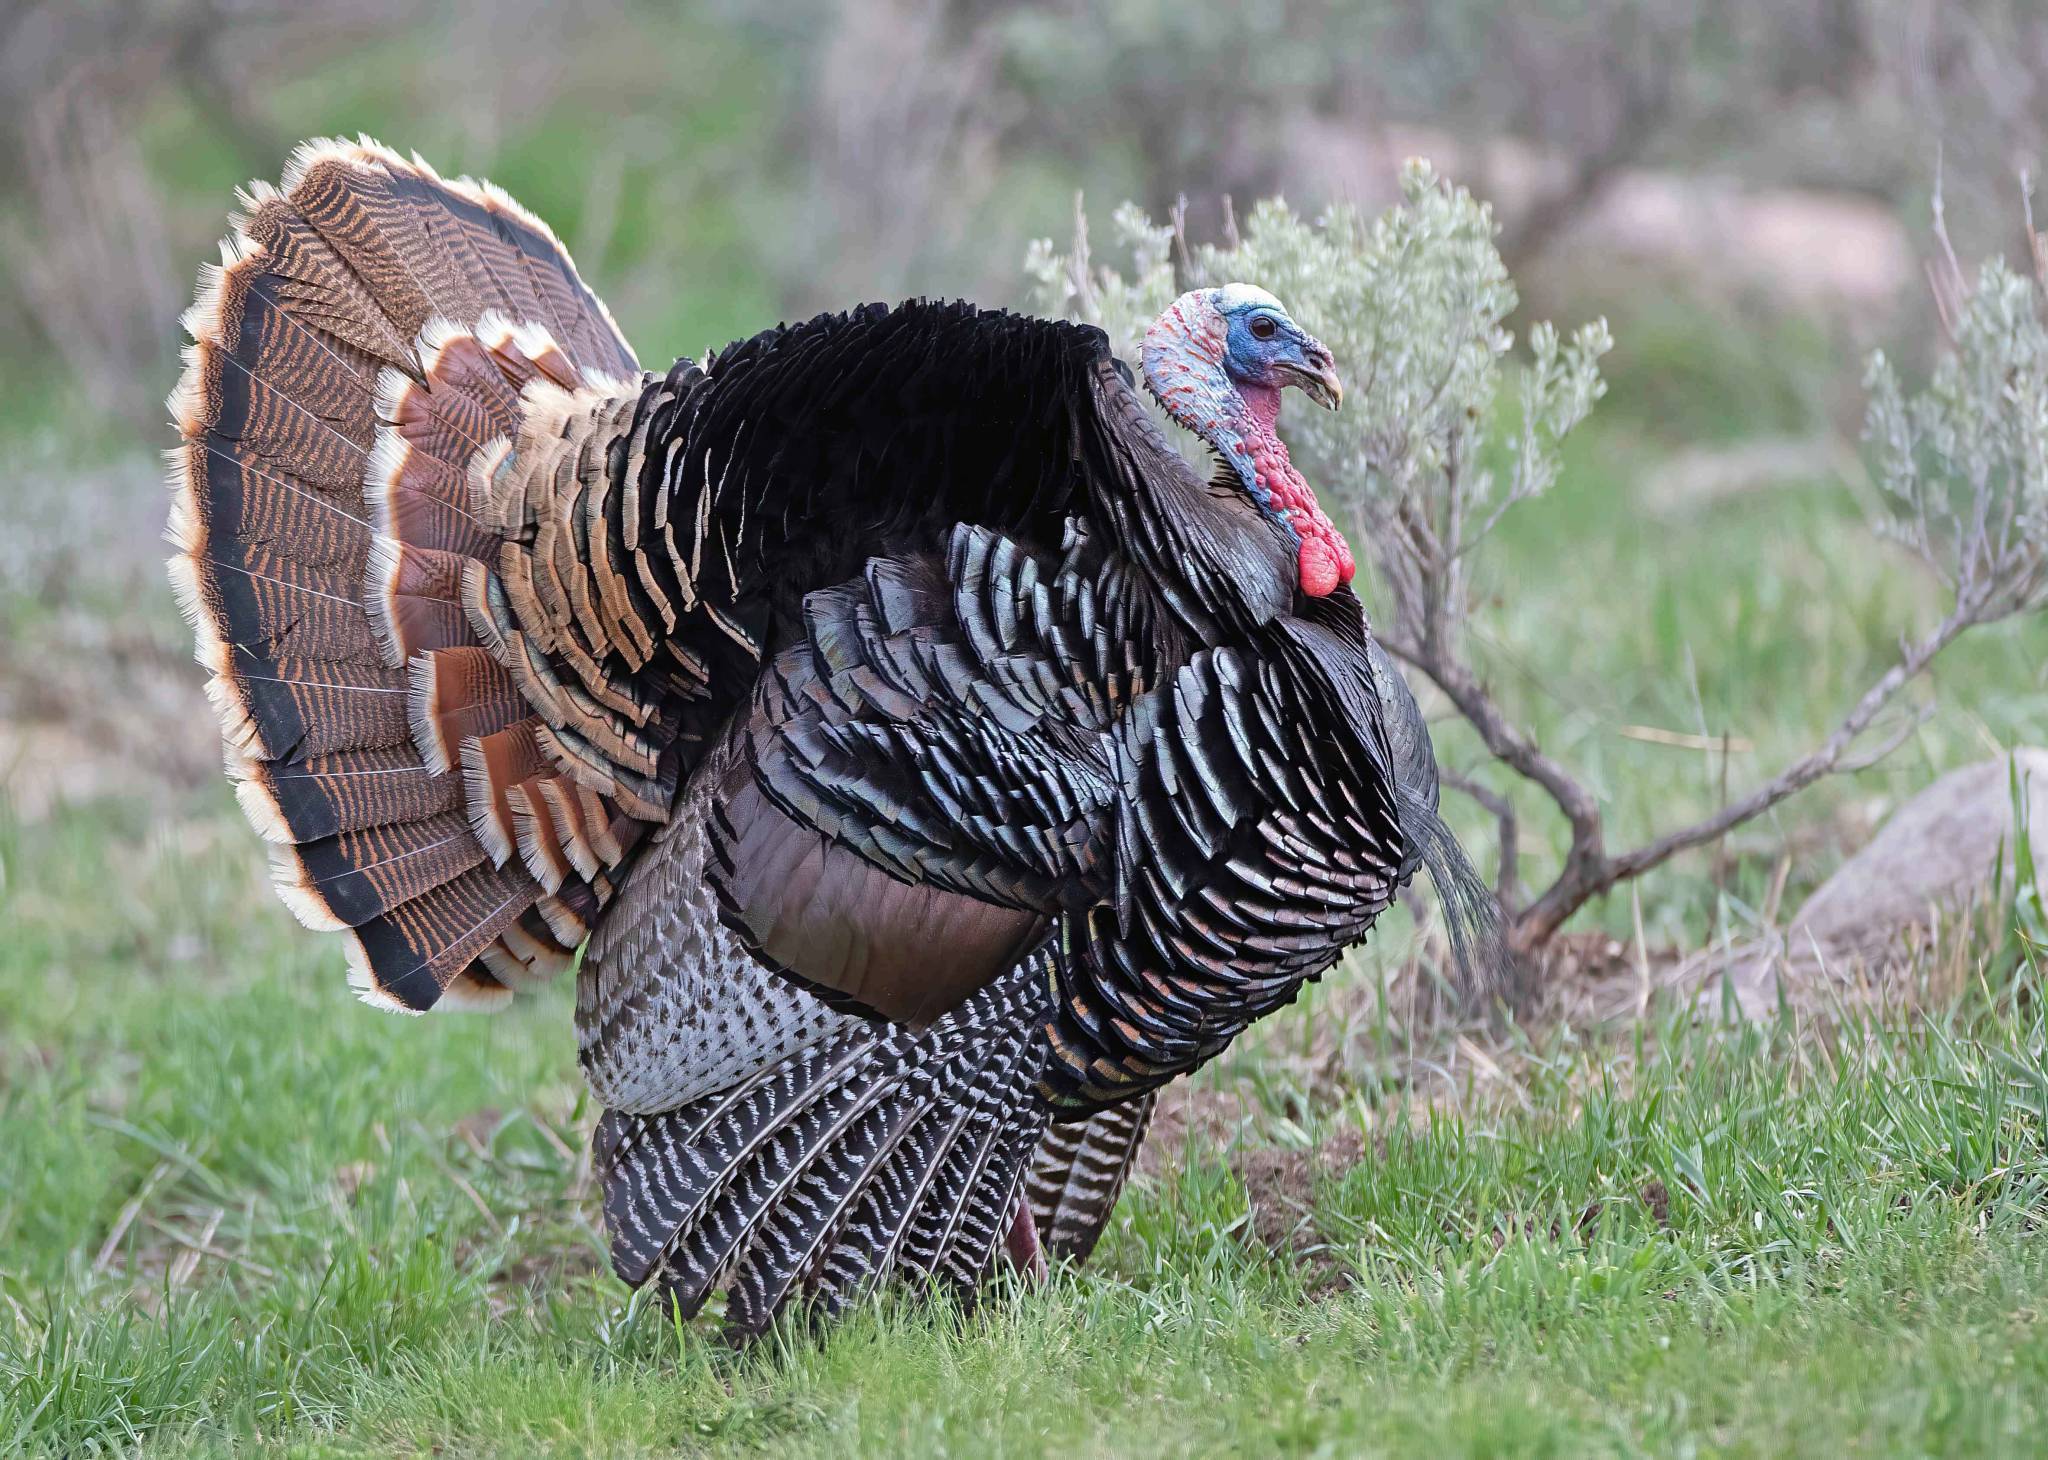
(1079, 1171)
(371, 341)
(881, 1153)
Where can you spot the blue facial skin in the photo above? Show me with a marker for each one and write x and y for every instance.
(1266, 348)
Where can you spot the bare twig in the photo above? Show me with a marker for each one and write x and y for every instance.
(125, 1218)
(203, 1246)
(187, 1261)
(1590, 871)
(1685, 740)
(1082, 275)
(1504, 740)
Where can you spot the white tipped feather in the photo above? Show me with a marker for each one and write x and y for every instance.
(238, 255)
(201, 319)
(466, 994)
(597, 822)
(528, 962)
(533, 341)
(503, 965)
(533, 851)
(569, 929)
(254, 196)
(380, 592)
(393, 385)
(297, 890)
(186, 529)
(187, 400)
(482, 473)
(493, 329)
(237, 726)
(260, 806)
(570, 826)
(364, 982)
(368, 151)
(482, 806)
(610, 386)
(184, 574)
(223, 691)
(388, 455)
(478, 591)
(365, 154)
(434, 751)
(435, 336)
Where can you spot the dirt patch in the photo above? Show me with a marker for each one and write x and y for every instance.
(1282, 1182)
(1188, 1110)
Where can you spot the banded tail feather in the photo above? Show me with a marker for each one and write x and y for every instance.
(1079, 1171)
(375, 342)
(879, 1152)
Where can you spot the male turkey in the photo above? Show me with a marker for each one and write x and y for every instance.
(925, 751)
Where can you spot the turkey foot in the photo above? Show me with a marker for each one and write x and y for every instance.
(1022, 1245)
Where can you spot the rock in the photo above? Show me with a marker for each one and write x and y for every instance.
(1936, 852)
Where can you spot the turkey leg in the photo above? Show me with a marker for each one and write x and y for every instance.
(1022, 1245)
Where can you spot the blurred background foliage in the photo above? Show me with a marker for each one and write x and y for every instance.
(717, 164)
(1741, 187)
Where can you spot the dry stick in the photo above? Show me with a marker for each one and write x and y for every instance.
(206, 1248)
(1588, 870)
(187, 1262)
(125, 1218)
(1507, 743)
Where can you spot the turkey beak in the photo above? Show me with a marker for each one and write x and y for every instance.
(1317, 375)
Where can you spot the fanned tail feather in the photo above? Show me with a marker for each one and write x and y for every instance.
(342, 375)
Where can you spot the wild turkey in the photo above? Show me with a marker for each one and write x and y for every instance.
(925, 750)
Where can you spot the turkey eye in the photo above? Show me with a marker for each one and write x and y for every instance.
(1263, 327)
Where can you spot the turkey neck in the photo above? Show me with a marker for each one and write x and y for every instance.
(1218, 566)
(1231, 557)
(1183, 360)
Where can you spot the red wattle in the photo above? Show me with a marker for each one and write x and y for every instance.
(1183, 359)
(1318, 568)
(1325, 559)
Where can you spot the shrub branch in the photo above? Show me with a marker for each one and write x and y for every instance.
(1413, 304)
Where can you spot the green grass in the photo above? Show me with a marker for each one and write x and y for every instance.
(1733, 1239)
(238, 1210)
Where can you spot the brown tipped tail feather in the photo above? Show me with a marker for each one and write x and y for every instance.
(371, 333)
